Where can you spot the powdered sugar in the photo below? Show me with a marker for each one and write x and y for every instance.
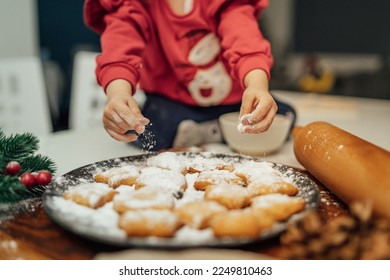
(259, 172)
(170, 180)
(166, 160)
(145, 198)
(240, 126)
(191, 194)
(103, 221)
(265, 201)
(147, 138)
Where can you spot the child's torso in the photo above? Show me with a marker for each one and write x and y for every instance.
(185, 40)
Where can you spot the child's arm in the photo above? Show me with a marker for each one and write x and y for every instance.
(124, 28)
(258, 108)
(249, 55)
(122, 113)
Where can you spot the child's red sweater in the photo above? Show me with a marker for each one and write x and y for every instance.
(200, 58)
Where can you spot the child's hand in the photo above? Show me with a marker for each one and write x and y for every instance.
(258, 108)
(122, 113)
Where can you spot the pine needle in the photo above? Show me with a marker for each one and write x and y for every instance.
(37, 163)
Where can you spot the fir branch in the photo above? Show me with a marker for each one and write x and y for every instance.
(11, 190)
(21, 148)
(37, 163)
(17, 147)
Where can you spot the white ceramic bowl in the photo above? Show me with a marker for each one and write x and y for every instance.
(255, 144)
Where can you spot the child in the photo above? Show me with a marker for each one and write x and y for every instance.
(194, 59)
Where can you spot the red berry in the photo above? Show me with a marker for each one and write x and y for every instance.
(43, 178)
(13, 168)
(28, 180)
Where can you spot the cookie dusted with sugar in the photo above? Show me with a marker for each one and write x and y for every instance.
(92, 195)
(261, 178)
(116, 176)
(278, 206)
(196, 214)
(229, 195)
(239, 223)
(199, 164)
(144, 198)
(167, 160)
(171, 181)
(277, 187)
(216, 177)
(149, 222)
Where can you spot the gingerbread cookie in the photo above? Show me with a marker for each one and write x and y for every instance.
(216, 177)
(116, 176)
(229, 195)
(92, 195)
(149, 222)
(144, 198)
(261, 178)
(278, 206)
(167, 160)
(207, 164)
(196, 214)
(239, 223)
(281, 187)
(169, 180)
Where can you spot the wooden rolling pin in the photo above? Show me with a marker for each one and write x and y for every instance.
(352, 168)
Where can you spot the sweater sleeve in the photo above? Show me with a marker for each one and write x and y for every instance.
(124, 28)
(243, 44)
(258, 5)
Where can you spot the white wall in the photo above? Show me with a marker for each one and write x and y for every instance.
(18, 28)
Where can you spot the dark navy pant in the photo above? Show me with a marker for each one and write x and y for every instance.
(165, 116)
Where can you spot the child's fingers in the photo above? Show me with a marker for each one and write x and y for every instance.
(139, 128)
(262, 125)
(109, 124)
(113, 121)
(122, 137)
(136, 112)
(259, 112)
(124, 117)
(247, 105)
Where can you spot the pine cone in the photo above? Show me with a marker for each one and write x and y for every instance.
(356, 236)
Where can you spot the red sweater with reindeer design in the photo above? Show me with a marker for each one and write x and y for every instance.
(200, 58)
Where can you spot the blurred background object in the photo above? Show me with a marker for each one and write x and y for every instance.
(351, 38)
(316, 76)
(87, 98)
(62, 34)
(24, 105)
(19, 28)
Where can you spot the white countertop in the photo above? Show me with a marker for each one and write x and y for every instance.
(366, 118)
(71, 149)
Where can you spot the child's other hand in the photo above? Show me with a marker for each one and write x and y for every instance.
(122, 113)
(258, 108)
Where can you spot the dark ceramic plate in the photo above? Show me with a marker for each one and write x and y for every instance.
(102, 228)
